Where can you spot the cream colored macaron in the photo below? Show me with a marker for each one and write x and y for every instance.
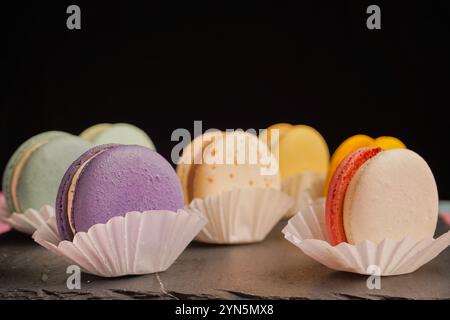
(193, 155)
(392, 195)
(229, 160)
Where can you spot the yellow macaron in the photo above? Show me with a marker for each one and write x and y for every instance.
(300, 149)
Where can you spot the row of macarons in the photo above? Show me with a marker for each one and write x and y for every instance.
(375, 188)
(117, 173)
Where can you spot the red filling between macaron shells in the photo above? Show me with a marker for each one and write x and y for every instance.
(334, 207)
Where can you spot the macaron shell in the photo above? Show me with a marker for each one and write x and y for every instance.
(41, 175)
(192, 153)
(338, 187)
(123, 133)
(302, 149)
(212, 179)
(266, 135)
(92, 132)
(393, 195)
(122, 179)
(345, 148)
(388, 143)
(16, 158)
(61, 206)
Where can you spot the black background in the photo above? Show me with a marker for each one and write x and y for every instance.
(232, 65)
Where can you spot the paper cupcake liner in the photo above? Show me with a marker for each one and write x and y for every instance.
(138, 243)
(307, 231)
(29, 221)
(304, 189)
(242, 215)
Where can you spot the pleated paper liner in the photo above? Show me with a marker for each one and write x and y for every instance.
(137, 243)
(303, 188)
(307, 231)
(242, 215)
(26, 222)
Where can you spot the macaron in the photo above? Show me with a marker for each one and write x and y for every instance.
(378, 194)
(266, 135)
(112, 180)
(301, 149)
(33, 173)
(193, 155)
(388, 143)
(120, 133)
(92, 132)
(358, 141)
(228, 160)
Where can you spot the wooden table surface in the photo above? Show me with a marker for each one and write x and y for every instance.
(273, 269)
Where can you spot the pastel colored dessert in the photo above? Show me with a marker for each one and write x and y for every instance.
(226, 164)
(193, 155)
(112, 180)
(266, 135)
(32, 175)
(358, 141)
(300, 149)
(376, 195)
(92, 132)
(121, 133)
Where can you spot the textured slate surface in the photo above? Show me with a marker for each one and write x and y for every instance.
(271, 269)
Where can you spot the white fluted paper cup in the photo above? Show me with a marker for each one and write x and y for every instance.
(27, 222)
(307, 231)
(137, 243)
(242, 215)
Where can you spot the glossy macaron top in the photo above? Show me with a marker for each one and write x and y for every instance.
(33, 173)
(112, 180)
(121, 133)
(376, 195)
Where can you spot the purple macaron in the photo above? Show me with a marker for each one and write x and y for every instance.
(111, 180)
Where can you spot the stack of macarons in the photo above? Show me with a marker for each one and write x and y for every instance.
(111, 180)
(32, 175)
(299, 148)
(377, 194)
(217, 161)
(122, 133)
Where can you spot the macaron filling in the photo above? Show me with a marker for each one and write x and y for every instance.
(17, 171)
(72, 188)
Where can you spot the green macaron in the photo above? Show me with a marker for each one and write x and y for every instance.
(120, 133)
(33, 174)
